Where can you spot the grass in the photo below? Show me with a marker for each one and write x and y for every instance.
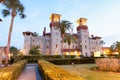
(85, 70)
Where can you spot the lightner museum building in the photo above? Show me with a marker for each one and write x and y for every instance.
(51, 43)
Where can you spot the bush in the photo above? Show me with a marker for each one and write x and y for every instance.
(52, 72)
(108, 64)
(13, 71)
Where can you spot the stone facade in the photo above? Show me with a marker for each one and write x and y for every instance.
(51, 43)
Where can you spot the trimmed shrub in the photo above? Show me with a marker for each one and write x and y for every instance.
(70, 61)
(108, 64)
(36, 57)
(52, 72)
(13, 71)
(57, 59)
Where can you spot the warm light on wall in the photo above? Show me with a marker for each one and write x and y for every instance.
(72, 53)
(10, 55)
(82, 21)
(55, 17)
(97, 54)
(116, 53)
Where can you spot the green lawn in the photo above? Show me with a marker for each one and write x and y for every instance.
(85, 71)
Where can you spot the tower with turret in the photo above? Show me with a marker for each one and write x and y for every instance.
(55, 34)
(83, 37)
(27, 41)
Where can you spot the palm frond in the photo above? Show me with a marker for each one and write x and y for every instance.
(20, 8)
(1, 20)
(22, 15)
(5, 12)
(65, 26)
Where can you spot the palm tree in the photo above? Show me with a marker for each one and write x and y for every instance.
(35, 50)
(13, 7)
(69, 39)
(35, 34)
(115, 47)
(64, 26)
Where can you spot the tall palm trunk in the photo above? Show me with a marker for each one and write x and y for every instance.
(62, 43)
(9, 40)
(69, 49)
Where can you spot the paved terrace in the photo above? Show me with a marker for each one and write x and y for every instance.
(30, 72)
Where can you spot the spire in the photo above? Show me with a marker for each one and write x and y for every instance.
(44, 31)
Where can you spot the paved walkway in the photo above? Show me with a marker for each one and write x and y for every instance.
(30, 72)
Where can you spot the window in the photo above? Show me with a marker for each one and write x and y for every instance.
(86, 54)
(85, 46)
(56, 40)
(33, 40)
(56, 45)
(47, 46)
(27, 34)
(57, 34)
(75, 47)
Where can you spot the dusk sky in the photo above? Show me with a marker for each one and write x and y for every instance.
(103, 18)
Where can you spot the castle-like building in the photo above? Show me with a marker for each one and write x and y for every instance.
(51, 43)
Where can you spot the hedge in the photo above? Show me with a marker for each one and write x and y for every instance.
(56, 59)
(36, 57)
(52, 72)
(13, 71)
(70, 61)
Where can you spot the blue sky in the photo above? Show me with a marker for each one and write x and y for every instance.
(103, 18)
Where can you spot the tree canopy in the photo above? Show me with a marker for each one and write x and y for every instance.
(34, 50)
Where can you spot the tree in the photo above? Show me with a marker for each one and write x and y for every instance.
(14, 50)
(35, 34)
(13, 7)
(64, 26)
(115, 47)
(69, 39)
(34, 50)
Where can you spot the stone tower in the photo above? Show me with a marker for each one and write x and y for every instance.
(55, 34)
(27, 42)
(83, 37)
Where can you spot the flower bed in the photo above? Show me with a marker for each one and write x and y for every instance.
(52, 72)
(13, 71)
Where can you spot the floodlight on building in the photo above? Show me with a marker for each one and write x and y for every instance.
(97, 54)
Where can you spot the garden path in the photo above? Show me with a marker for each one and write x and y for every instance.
(30, 72)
